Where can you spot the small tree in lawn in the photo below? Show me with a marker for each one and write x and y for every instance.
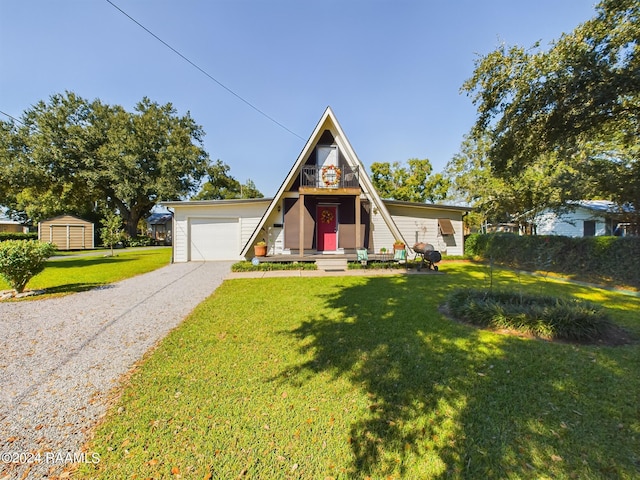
(20, 260)
(111, 232)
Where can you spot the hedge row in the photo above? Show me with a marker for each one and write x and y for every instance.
(608, 259)
(18, 236)
(271, 266)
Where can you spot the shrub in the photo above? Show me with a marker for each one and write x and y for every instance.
(18, 236)
(269, 266)
(615, 259)
(540, 315)
(138, 241)
(20, 260)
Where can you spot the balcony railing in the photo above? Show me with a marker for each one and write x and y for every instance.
(329, 176)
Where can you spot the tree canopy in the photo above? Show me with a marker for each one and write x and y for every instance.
(547, 183)
(69, 155)
(222, 186)
(413, 182)
(578, 102)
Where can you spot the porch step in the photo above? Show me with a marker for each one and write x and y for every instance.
(332, 264)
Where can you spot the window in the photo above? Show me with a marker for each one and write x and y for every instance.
(326, 155)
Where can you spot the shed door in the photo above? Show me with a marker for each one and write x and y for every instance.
(214, 239)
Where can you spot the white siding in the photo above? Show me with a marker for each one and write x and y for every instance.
(246, 215)
(420, 224)
(382, 235)
(569, 224)
(415, 223)
(180, 237)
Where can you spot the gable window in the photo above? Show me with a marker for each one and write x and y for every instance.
(326, 155)
(589, 229)
(328, 168)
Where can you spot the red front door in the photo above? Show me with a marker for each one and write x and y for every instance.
(327, 221)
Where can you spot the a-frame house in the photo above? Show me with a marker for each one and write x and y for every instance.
(326, 205)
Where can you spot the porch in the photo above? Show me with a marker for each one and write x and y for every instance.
(338, 262)
(312, 257)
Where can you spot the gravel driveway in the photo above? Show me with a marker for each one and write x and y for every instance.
(60, 357)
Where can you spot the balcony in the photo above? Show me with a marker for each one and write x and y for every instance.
(329, 178)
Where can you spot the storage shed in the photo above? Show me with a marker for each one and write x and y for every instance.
(67, 232)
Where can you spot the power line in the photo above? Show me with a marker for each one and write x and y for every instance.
(201, 70)
(12, 117)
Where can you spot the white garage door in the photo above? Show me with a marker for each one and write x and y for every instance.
(214, 239)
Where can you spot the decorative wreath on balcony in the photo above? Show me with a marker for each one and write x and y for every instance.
(331, 175)
(327, 216)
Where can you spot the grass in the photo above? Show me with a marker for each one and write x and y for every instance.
(70, 275)
(356, 377)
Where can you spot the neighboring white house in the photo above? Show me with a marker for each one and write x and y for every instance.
(326, 204)
(586, 218)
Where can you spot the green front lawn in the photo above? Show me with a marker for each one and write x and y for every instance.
(63, 276)
(356, 377)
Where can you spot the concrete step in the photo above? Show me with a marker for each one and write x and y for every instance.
(329, 264)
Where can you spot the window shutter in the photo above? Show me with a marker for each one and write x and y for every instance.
(446, 228)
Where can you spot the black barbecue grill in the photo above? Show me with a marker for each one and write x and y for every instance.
(428, 256)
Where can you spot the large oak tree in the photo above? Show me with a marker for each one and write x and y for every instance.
(69, 155)
(579, 101)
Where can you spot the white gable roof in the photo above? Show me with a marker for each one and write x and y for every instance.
(329, 122)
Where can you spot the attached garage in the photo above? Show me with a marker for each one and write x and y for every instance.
(67, 232)
(209, 230)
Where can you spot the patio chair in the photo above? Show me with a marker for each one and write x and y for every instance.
(362, 256)
(400, 256)
(310, 179)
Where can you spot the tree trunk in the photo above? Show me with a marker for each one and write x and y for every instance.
(131, 216)
(131, 224)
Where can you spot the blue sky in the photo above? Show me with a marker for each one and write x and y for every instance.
(390, 70)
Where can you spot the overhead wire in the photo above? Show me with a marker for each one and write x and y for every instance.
(203, 71)
(12, 117)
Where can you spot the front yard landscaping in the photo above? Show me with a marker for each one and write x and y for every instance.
(356, 377)
(69, 275)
